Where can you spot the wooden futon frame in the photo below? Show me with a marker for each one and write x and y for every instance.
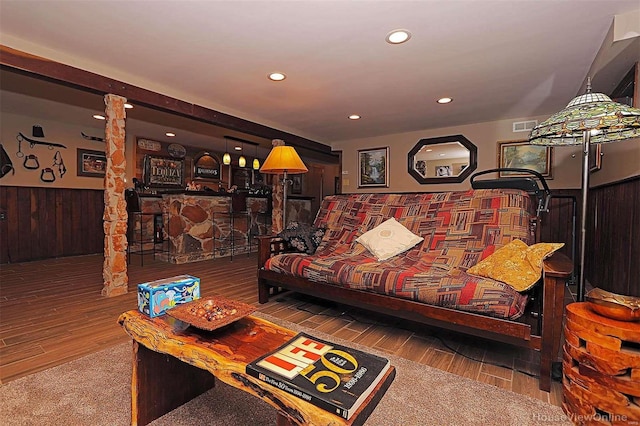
(557, 270)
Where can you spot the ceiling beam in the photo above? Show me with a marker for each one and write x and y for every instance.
(86, 80)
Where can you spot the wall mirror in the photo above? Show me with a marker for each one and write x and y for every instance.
(447, 159)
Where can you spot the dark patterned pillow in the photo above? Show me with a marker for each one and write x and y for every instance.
(302, 237)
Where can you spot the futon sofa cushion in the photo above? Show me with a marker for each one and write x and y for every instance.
(459, 229)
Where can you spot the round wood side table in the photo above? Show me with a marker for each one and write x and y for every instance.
(601, 368)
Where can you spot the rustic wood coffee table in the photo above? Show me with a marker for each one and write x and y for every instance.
(174, 363)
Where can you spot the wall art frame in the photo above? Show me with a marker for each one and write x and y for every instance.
(523, 155)
(296, 185)
(595, 157)
(373, 168)
(165, 172)
(91, 163)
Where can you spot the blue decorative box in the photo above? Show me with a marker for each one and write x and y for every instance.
(155, 297)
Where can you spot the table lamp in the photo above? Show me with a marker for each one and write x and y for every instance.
(283, 159)
(589, 118)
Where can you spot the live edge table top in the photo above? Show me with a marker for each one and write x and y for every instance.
(226, 352)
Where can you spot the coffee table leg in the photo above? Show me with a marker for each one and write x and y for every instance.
(161, 383)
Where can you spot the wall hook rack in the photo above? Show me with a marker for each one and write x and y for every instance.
(33, 142)
(91, 138)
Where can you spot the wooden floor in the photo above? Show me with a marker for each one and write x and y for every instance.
(51, 312)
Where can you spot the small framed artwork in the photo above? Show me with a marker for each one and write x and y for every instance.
(523, 155)
(91, 163)
(595, 157)
(296, 187)
(373, 170)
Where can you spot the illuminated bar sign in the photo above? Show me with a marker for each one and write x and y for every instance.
(206, 167)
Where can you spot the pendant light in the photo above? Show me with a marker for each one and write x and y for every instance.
(226, 158)
(242, 161)
(256, 162)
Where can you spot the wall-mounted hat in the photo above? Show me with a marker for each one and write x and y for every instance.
(37, 131)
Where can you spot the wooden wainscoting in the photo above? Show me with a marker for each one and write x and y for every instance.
(42, 223)
(613, 237)
(557, 223)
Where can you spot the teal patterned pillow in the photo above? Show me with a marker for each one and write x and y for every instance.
(302, 237)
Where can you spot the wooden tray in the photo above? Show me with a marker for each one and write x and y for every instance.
(220, 310)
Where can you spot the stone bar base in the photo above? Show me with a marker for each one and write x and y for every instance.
(196, 224)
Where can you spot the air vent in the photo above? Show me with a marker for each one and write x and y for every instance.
(524, 126)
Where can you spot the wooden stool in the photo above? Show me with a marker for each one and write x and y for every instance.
(601, 368)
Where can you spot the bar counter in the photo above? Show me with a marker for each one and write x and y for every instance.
(198, 225)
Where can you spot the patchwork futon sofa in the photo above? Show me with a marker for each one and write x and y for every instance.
(428, 282)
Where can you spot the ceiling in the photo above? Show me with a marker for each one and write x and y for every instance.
(496, 59)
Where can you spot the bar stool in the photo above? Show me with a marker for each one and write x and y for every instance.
(262, 220)
(137, 225)
(237, 212)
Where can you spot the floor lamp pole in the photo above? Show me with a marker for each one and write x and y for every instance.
(284, 202)
(586, 142)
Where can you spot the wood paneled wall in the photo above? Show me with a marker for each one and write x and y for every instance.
(41, 223)
(557, 223)
(613, 237)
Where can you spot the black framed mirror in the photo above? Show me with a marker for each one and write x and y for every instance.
(446, 159)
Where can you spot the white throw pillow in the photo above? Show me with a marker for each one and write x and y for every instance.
(388, 239)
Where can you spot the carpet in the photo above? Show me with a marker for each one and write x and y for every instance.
(95, 391)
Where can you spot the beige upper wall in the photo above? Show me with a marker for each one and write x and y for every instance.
(620, 160)
(54, 131)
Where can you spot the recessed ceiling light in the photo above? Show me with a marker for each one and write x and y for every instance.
(429, 150)
(442, 155)
(237, 148)
(398, 36)
(170, 134)
(128, 106)
(277, 76)
(354, 117)
(444, 100)
(99, 117)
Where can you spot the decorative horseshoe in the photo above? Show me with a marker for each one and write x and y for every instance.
(47, 175)
(31, 162)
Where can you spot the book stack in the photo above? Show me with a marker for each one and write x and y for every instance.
(333, 377)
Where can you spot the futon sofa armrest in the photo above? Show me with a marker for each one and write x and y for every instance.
(268, 246)
(556, 270)
(558, 265)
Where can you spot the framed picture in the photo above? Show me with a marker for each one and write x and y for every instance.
(163, 171)
(296, 187)
(595, 157)
(373, 168)
(91, 163)
(523, 155)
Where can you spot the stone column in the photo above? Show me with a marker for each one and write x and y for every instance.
(114, 271)
(277, 198)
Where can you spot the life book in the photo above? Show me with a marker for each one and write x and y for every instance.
(333, 377)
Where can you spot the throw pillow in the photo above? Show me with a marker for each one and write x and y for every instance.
(515, 264)
(388, 239)
(302, 237)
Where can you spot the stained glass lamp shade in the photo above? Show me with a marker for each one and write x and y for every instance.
(589, 118)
